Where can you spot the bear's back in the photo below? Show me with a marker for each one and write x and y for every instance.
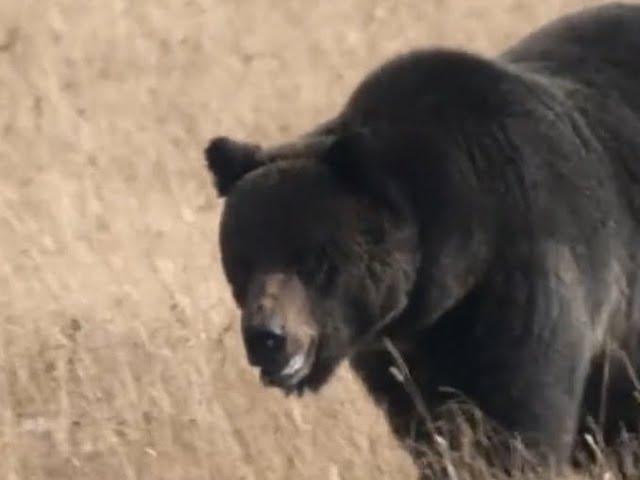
(598, 50)
(598, 47)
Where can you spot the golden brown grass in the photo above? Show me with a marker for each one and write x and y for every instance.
(119, 354)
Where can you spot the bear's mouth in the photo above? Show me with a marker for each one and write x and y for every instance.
(291, 377)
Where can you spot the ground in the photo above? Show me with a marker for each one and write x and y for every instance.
(120, 356)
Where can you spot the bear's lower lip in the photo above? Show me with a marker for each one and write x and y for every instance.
(284, 380)
(286, 383)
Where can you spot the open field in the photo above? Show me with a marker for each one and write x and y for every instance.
(120, 356)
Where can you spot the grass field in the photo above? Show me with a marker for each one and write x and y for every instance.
(119, 351)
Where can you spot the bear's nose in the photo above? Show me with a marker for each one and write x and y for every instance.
(265, 345)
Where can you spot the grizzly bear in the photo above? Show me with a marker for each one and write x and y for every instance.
(477, 218)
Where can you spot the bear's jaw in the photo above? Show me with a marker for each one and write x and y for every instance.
(291, 377)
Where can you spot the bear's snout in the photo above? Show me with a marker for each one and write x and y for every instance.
(266, 345)
(279, 334)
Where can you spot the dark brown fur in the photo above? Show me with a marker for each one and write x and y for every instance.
(483, 215)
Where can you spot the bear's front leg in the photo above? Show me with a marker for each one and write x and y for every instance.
(534, 391)
(529, 357)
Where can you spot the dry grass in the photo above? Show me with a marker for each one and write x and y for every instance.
(119, 356)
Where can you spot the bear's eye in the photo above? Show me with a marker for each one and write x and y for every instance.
(315, 268)
(238, 271)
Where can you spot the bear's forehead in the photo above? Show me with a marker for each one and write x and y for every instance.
(282, 210)
(287, 184)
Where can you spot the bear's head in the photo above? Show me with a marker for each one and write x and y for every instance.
(320, 249)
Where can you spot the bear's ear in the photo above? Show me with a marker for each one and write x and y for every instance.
(355, 159)
(229, 161)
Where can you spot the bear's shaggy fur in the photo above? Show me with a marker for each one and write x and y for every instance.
(482, 215)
